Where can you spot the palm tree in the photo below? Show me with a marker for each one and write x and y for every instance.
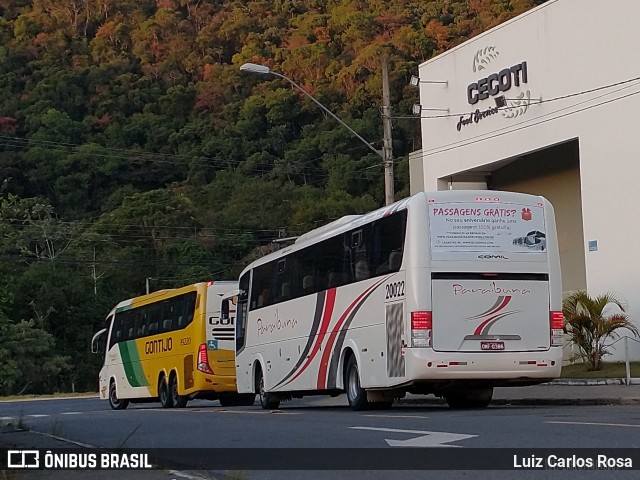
(589, 323)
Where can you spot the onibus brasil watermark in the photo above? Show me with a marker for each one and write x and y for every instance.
(49, 460)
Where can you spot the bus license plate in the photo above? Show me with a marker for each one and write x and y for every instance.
(492, 346)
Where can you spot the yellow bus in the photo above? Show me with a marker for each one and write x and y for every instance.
(172, 345)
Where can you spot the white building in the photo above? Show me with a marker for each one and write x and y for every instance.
(548, 103)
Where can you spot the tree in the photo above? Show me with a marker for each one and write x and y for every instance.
(589, 324)
(28, 358)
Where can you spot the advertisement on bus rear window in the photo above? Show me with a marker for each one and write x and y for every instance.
(491, 227)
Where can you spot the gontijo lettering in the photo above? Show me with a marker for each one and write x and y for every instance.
(158, 346)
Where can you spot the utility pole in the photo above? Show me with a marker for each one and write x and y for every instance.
(387, 149)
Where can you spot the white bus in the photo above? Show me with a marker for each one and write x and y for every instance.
(448, 293)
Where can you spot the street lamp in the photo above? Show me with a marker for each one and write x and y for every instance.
(264, 70)
(418, 109)
(415, 81)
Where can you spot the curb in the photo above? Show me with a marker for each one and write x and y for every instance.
(533, 401)
(8, 422)
(592, 381)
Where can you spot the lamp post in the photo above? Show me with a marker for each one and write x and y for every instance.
(264, 70)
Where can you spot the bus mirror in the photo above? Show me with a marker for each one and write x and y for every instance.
(98, 342)
(224, 309)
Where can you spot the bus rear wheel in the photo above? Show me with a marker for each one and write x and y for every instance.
(179, 401)
(356, 395)
(114, 401)
(163, 393)
(267, 400)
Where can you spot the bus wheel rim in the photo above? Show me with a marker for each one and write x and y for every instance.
(353, 383)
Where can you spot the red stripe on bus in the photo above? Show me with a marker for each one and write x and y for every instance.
(496, 306)
(324, 363)
(324, 326)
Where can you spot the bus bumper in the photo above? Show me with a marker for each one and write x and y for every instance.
(214, 383)
(426, 364)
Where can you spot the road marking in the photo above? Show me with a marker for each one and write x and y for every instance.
(425, 438)
(72, 413)
(37, 416)
(256, 412)
(397, 416)
(599, 424)
(244, 412)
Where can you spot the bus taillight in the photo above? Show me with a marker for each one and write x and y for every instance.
(556, 320)
(421, 323)
(203, 360)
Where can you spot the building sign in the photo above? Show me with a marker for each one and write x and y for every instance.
(495, 85)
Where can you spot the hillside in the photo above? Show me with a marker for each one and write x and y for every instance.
(133, 150)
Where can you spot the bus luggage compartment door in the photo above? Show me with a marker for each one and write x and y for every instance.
(490, 315)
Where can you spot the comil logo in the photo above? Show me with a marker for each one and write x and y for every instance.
(493, 257)
(23, 459)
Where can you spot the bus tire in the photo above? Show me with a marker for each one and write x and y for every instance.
(179, 401)
(163, 393)
(475, 398)
(114, 401)
(356, 395)
(268, 401)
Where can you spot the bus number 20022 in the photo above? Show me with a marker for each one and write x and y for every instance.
(394, 290)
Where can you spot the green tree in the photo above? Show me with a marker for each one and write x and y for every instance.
(28, 359)
(589, 323)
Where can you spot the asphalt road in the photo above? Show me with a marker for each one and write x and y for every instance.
(322, 423)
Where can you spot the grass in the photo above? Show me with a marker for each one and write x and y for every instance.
(11, 398)
(609, 370)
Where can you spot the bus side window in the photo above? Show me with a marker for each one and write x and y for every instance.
(189, 307)
(153, 328)
(143, 320)
(388, 243)
(359, 254)
(177, 312)
(116, 331)
(167, 315)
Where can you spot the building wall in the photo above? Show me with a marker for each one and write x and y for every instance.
(570, 47)
(416, 172)
(562, 189)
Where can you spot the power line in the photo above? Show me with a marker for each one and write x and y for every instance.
(482, 138)
(155, 263)
(141, 155)
(537, 102)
